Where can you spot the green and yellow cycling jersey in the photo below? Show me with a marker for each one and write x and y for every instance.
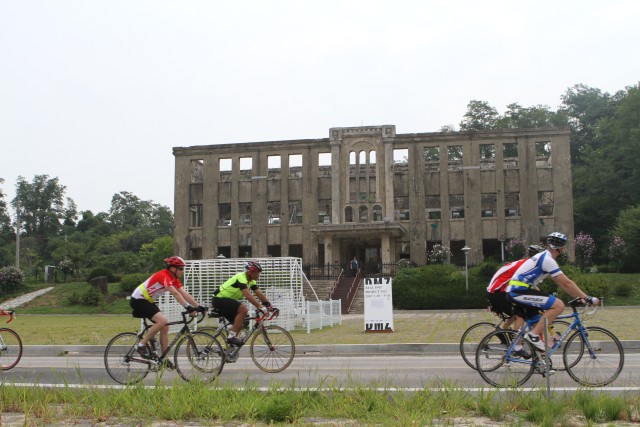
(233, 287)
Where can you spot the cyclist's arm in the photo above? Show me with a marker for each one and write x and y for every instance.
(260, 295)
(182, 296)
(569, 286)
(251, 298)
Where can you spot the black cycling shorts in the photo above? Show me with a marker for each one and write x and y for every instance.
(500, 303)
(143, 308)
(228, 307)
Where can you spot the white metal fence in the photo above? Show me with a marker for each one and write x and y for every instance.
(323, 313)
(281, 281)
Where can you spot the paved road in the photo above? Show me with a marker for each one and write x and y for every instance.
(407, 372)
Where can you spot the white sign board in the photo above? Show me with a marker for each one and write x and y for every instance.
(378, 305)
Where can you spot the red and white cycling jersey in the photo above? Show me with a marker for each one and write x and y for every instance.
(500, 280)
(156, 285)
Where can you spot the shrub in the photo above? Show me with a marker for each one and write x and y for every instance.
(623, 290)
(516, 249)
(585, 250)
(11, 279)
(101, 271)
(73, 299)
(93, 297)
(616, 252)
(129, 282)
(438, 286)
(488, 268)
(440, 254)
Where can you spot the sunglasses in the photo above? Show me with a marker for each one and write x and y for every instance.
(180, 268)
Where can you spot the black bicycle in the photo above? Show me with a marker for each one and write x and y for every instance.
(271, 347)
(196, 355)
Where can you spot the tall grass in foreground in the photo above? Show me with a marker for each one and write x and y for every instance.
(199, 403)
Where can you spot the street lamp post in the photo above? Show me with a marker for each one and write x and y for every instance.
(466, 250)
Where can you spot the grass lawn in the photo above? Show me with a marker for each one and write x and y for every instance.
(46, 320)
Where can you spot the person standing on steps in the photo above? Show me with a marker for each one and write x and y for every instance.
(354, 267)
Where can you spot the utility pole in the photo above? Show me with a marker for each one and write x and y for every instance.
(18, 235)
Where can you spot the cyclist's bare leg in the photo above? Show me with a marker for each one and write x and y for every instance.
(508, 322)
(239, 320)
(160, 324)
(556, 309)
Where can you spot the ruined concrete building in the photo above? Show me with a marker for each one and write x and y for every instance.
(369, 192)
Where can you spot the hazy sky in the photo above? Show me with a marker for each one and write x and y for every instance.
(97, 93)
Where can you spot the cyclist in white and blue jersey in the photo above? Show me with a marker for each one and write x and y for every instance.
(523, 288)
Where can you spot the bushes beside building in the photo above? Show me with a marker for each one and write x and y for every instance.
(440, 286)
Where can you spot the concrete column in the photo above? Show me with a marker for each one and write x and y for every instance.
(181, 206)
(335, 137)
(210, 207)
(385, 249)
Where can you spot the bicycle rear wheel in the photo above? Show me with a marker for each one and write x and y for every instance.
(199, 355)
(121, 359)
(272, 349)
(595, 361)
(503, 368)
(10, 348)
(470, 340)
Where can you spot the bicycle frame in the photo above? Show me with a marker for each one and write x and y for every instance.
(575, 325)
(10, 313)
(184, 330)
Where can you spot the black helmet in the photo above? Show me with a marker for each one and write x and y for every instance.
(534, 249)
(556, 240)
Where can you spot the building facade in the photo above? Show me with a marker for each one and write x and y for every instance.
(374, 194)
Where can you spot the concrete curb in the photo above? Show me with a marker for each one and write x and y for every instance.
(320, 350)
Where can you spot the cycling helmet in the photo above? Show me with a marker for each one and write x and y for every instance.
(174, 261)
(534, 249)
(556, 240)
(253, 266)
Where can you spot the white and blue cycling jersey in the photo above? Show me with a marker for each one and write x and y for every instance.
(530, 274)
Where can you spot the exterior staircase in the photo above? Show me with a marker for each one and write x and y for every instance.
(342, 289)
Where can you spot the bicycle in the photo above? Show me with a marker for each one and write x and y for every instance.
(592, 356)
(196, 354)
(472, 336)
(271, 347)
(10, 344)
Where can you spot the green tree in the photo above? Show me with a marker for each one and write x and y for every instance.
(537, 116)
(608, 178)
(41, 205)
(479, 116)
(584, 107)
(628, 226)
(5, 221)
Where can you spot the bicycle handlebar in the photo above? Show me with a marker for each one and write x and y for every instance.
(10, 313)
(272, 312)
(586, 310)
(199, 317)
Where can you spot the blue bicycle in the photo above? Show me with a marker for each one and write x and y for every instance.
(592, 356)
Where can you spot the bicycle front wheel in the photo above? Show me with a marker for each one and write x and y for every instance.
(470, 340)
(595, 361)
(121, 360)
(272, 349)
(199, 355)
(500, 366)
(10, 348)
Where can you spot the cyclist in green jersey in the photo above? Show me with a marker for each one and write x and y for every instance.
(227, 299)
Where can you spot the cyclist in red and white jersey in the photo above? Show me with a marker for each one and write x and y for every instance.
(499, 299)
(144, 301)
